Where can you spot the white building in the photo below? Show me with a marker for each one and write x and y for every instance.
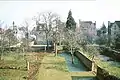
(88, 28)
(114, 29)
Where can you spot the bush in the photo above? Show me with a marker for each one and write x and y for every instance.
(66, 48)
(92, 51)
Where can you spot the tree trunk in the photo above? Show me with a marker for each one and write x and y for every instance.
(72, 59)
(27, 44)
(60, 40)
(9, 45)
(23, 53)
(47, 45)
(54, 45)
(47, 41)
(55, 49)
(1, 47)
(72, 56)
(0, 57)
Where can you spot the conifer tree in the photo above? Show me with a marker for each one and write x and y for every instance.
(70, 33)
(70, 23)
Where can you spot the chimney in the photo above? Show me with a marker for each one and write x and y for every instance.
(95, 23)
(109, 23)
(109, 28)
(79, 22)
(79, 25)
(13, 23)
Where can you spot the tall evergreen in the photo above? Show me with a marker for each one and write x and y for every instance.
(99, 33)
(103, 29)
(70, 33)
(70, 23)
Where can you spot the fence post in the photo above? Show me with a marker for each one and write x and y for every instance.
(45, 48)
(93, 66)
(28, 65)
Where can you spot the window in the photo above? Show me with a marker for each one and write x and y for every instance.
(115, 27)
(114, 33)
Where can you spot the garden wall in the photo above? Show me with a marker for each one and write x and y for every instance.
(84, 59)
(110, 53)
(101, 73)
(104, 75)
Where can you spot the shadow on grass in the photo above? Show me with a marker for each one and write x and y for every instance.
(43, 51)
(61, 66)
(83, 78)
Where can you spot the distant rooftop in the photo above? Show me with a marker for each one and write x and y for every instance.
(118, 23)
(87, 22)
(90, 22)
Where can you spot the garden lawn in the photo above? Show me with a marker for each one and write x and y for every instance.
(111, 67)
(13, 67)
(53, 68)
(10, 74)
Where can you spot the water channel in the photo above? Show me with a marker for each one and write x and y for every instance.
(78, 66)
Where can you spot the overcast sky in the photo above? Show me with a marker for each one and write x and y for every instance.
(94, 10)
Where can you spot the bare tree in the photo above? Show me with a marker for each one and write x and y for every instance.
(55, 40)
(56, 34)
(25, 37)
(61, 26)
(48, 18)
(70, 37)
(1, 39)
(10, 36)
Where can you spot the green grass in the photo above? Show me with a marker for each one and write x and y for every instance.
(13, 63)
(53, 68)
(8, 74)
(60, 66)
(18, 62)
(13, 60)
(112, 68)
(13, 56)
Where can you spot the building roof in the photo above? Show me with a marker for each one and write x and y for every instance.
(1, 30)
(87, 22)
(118, 23)
(94, 23)
(111, 24)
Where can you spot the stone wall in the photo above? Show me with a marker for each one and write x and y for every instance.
(84, 59)
(110, 53)
(101, 73)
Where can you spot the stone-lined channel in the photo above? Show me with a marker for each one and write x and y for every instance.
(78, 66)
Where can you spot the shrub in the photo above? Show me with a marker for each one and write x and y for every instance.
(66, 48)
